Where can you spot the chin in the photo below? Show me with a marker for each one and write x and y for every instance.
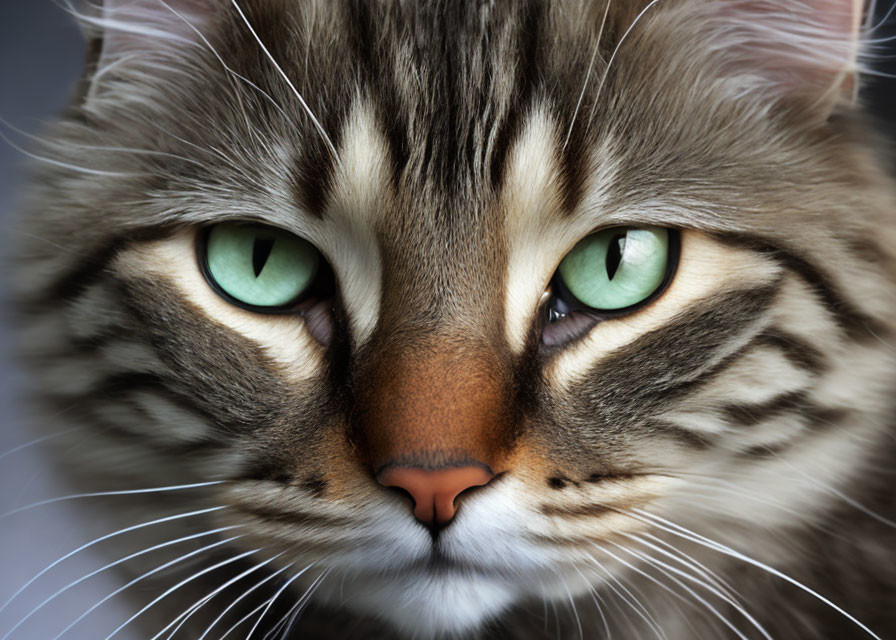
(425, 604)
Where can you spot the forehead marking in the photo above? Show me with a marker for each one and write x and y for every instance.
(361, 195)
(538, 231)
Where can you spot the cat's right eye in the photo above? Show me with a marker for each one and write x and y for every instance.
(260, 268)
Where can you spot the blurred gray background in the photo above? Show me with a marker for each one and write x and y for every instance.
(41, 54)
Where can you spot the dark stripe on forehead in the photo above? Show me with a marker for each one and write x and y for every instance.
(525, 80)
(362, 29)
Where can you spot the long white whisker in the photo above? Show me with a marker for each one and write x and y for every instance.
(680, 531)
(603, 77)
(575, 113)
(270, 602)
(196, 606)
(50, 144)
(221, 60)
(264, 605)
(294, 611)
(282, 73)
(100, 494)
(706, 585)
(34, 442)
(572, 604)
(139, 578)
(64, 165)
(695, 595)
(689, 562)
(240, 598)
(171, 590)
(631, 600)
(103, 538)
(110, 566)
(598, 600)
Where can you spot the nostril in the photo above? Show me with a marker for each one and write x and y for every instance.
(403, 493)
(466, 493)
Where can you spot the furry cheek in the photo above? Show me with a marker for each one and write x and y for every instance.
(283, 338)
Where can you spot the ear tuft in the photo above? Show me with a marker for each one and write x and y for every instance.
(791, 47)
(127, 27)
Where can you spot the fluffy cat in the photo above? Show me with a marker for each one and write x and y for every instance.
(473, 319)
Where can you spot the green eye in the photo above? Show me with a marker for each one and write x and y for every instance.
(259, 266)
(617, 268)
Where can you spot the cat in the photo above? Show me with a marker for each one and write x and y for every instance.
(516, 319)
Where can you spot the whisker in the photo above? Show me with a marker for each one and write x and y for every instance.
(270, 602)
(575, 113)
(34, 442)
(100, 494)
(572, 604)
(295, 611)
(139, 578)
(631, 601)
(691, 563)
(595, 596)
(110, 566)
(196, 606)
(264, 605)
(696, 596)
(171, 590)
(603, 78)
(103, 538)
(680, 531)
(60, 144)
(240, 598)
(282, 73)
(663, 567)
(221, 60)
(64, 165)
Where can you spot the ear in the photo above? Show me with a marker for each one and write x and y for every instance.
(118, 29)
(807, 49)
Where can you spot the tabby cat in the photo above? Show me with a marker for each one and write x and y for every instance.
(501, 319)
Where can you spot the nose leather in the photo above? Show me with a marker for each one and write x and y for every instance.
(435, 492)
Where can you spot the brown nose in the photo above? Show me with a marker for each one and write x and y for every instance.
(434, 492)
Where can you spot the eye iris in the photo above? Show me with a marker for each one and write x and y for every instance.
(615, 269)
(259, 266)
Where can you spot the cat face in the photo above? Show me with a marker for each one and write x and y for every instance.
(445, 416)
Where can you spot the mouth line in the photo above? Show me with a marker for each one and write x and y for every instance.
(437, 563)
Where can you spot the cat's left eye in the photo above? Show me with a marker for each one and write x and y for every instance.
(258, 267)
(609, 273)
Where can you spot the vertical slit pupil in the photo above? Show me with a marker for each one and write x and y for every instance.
(614, 254)
(261, 250)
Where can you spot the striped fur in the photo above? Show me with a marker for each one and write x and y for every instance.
(444, 157)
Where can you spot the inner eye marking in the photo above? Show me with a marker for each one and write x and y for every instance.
(609, 273)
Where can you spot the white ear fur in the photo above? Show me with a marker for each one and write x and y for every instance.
(127, 28)
(806, 47)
